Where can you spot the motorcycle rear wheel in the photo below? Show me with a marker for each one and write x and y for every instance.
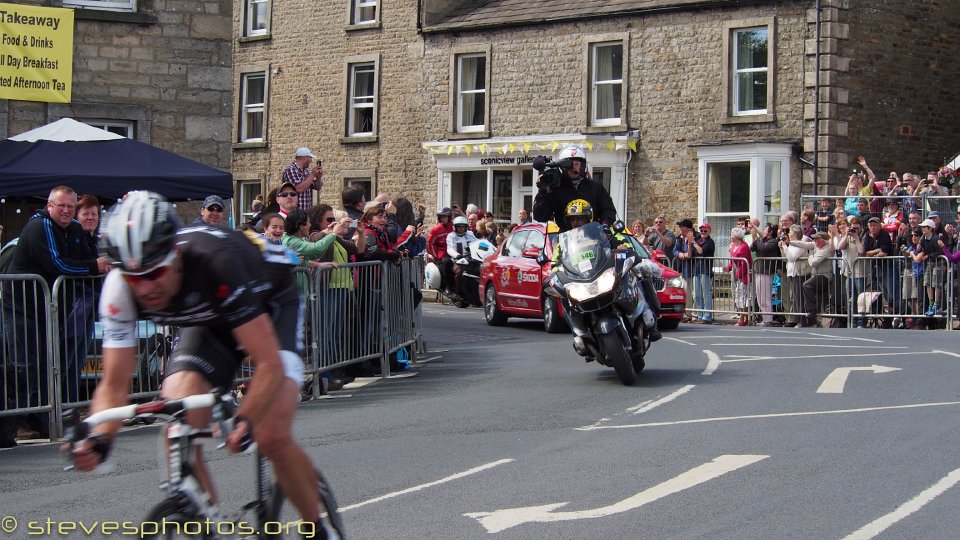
(617, 356)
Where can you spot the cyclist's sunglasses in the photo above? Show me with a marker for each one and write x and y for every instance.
(153, 274)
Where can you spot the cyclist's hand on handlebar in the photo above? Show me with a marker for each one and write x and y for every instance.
(241, 437)
(89, 453)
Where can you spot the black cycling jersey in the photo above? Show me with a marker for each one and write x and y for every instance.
(229, 279)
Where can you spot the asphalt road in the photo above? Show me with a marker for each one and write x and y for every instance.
(732, 433)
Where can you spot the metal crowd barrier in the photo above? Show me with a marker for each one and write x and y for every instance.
(52, 343)
(721, 288)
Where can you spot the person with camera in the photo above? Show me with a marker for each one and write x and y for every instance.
(565, 179)
(766, 253)
(658, 237)
(303, 178)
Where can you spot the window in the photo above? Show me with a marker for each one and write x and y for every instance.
(364, 11)
(740, 180)
(468, 187)
(471, 92)
(364, 180)
(106, 5)
(515, 244)
(606, 83)
(247, 190)
(362, 106)
(124, 128)
(253, 96)
(256, 18)
(750, 63)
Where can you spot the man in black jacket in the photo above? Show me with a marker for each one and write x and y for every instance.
(551, 203)
(51, 245)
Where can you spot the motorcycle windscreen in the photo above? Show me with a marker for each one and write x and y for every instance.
(584, 251)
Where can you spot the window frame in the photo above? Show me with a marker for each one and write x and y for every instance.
(453, 122)
(102, 123)
(729, 71)
(460, 93)
(591, 125)
(257, 34)
(353, 14)
(126, 6)
(361, 176)
(350, 69)
(596, 83)
(242, 208)
(244, 74)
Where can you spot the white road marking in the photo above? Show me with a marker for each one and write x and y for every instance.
(799, 345)
(868, 340)
(837, 379)
(680, 340)
(500, 520)
(647, 406)
(713, 362)
(882, 523)
(360, 382)
(947, 352)
(428, 360)
(736, 358)
(774, 415)
(421, 487)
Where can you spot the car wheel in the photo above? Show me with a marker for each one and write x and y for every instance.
(668, 324)
(491, 312)
(553, 322)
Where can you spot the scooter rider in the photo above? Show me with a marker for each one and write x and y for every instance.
(458, 245)
(551, 203)
(579, 213)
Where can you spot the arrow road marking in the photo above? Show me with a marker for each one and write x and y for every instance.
(713, 362)
(500, 520)
(836, 380)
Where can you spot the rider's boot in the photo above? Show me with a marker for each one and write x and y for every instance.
(650, 325)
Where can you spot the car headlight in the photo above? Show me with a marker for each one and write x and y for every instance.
(585, 291)
(675, 282)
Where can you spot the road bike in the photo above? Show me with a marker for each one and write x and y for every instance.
(188, 511)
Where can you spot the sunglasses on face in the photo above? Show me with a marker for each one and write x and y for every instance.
(287, 194)
(152, 275)
(214, 209)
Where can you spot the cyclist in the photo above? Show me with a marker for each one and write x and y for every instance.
(233, 295)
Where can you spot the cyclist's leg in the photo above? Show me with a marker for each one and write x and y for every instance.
(202, 359)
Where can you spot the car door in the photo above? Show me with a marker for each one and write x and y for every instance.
(507, 286)
(529, 272)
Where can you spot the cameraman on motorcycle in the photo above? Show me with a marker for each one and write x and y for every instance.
(551, 201)
(458, 245)
(579, 213)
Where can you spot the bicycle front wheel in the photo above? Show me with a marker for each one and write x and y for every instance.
(175, 517)
(281, 516)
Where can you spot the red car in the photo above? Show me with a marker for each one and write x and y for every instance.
(511, 278)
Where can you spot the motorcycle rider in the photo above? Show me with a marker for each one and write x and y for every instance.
(551, 203)
(458, 245)
(579, 213)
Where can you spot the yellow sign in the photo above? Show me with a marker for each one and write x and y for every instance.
(36, 53)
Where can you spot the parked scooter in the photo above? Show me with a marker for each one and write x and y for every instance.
(469, 268)
(600, 289)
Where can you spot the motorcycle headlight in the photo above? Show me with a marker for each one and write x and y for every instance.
(675, 282)
(580, 292)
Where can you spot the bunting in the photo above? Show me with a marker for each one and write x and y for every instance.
(528, 147)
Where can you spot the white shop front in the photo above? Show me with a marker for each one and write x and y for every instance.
(497, 174)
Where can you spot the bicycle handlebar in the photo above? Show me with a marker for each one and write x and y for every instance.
(169, 407)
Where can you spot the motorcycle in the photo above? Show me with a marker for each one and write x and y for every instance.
(469, 265)
(600, 289)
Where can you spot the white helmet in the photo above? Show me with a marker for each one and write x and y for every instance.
(481, 249)
(139, 232)
(572, 151)
(460, 220)
(431, 276)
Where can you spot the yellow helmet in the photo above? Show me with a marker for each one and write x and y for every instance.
(578, 208)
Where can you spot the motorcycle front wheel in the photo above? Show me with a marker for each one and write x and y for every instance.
(617, 356)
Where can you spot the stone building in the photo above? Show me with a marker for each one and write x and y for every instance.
(158, 71)
(699, 109)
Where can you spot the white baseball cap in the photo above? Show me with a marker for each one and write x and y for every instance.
(928, 223)
(303, 151)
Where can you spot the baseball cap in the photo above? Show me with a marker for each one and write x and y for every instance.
(933, 214)
(285, 184)
(303, 151)
(928, 223)
(873, 219)
(706, 226)
(212, 200)
(685, 223)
